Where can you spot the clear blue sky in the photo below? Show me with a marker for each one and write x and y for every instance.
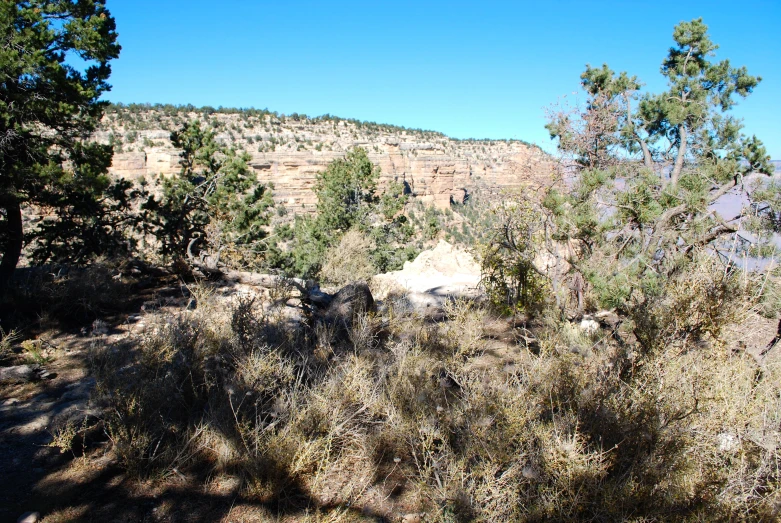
(468, 69)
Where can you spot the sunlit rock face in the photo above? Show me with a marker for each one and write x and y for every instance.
(289, 154)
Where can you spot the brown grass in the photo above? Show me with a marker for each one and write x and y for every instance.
(392, 418)
(349, 260)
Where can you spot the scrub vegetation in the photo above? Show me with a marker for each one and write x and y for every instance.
(613, 368)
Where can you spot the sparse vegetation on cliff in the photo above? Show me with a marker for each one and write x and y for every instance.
(275, 128)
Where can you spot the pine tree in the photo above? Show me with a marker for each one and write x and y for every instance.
(48, 107)
(214, 202)
(646, 169)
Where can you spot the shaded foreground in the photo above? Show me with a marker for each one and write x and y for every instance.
(219, 403)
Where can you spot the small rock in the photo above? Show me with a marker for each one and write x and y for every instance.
(727, 442)
(29, 517)
(18, 373)
(99, 328)
(589, 326)
(412, 518)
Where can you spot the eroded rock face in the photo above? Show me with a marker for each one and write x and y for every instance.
(434, 168)
(435, 276)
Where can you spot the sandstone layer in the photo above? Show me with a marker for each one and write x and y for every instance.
(289, 153)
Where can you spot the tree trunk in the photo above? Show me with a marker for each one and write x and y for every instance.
(12, 247)
(647, 158)
(682, 136)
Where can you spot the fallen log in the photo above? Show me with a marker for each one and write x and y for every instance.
(309, 291)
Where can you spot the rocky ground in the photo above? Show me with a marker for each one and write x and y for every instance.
(435, 276)
(52, 444)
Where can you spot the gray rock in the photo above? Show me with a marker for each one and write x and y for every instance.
(352, 300)
(18, 373)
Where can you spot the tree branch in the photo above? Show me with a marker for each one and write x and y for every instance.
(724, 189)
(720, 229)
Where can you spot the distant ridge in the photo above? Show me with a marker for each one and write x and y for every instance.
(251, 111)
(289, 151)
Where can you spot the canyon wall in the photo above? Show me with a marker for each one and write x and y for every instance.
(434, 168)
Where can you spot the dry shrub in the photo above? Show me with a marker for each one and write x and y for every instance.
(7, 341)
(769, 290)
(363, 332)
(69, 295)
(586, 428)
(349, 260)
(702, 301)
(693, 301)
(464, 329)
(193, 374)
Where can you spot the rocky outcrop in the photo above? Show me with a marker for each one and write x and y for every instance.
(435, 276)
(289, 155)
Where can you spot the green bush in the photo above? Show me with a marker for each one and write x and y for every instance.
(214, 203)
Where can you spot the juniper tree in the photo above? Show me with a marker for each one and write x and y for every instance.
(213, 202)
(346, 191)
(645, 171)
(55, 66)
(347, 198)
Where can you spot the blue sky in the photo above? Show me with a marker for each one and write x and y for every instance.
(468, 69)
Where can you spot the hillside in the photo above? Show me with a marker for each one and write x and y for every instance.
(288, 151)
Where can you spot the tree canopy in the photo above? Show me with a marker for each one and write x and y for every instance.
(347, 199)
(55, 67)
(643, 172)
(346, 190)
(214, 202)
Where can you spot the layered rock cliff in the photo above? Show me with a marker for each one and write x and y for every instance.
(289, 152)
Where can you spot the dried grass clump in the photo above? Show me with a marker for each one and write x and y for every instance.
(584, 427)
(7, 342)
(465, 326)
(349, 260)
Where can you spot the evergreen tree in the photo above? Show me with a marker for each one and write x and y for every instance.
(346, 191)
(215, 201)
(691, 152)
(48, 107)
(347, 198)
(638, 210)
